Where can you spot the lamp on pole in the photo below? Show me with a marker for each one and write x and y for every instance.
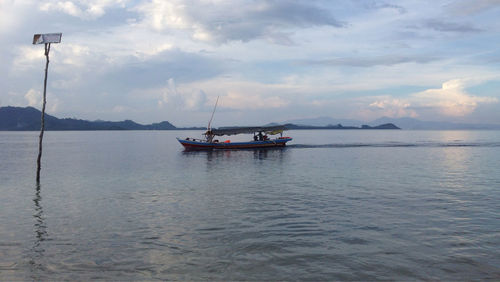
(46, 39)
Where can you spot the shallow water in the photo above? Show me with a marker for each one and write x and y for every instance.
(335, 204)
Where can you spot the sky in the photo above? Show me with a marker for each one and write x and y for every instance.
(267, 61)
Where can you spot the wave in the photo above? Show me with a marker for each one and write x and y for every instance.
(396, 145)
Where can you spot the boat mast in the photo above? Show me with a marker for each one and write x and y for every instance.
(210, 121)
(209, 128)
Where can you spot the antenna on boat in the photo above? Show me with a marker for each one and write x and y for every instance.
(215, 107)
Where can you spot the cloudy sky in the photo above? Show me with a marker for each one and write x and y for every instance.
(269, 61)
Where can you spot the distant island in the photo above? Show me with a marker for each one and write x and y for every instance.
(28, 119)
(25, 119)
(340, 126)
(406, 123)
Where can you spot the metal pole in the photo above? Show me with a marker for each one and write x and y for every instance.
(39, 159)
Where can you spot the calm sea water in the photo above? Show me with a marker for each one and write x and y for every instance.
(334, 205)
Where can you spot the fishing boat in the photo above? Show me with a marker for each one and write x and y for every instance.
(260, 137)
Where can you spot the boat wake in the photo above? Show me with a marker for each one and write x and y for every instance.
(396, 145)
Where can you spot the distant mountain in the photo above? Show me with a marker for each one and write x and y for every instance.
(411, 123)
(340, 126)
(324, 121)
(404, 123)
(18, 118)
(28, 118)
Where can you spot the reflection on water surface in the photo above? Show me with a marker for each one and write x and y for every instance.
(335, 205)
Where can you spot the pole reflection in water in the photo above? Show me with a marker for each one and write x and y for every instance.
(40, 229)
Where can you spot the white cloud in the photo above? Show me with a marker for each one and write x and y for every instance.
(244, 101)
(195, 100)
(128, 48)
(53, 103)
(64, 6)
(164, 14)
(26, 58)
(75, 55)
(192, 100)
(466, 7)
(392, 107)
(239, 94)
(234, 95)
(223, 21)
(61, 56)
(12, 13)
(84, 9)
(451, 99)
(120, 109)
(33, 97)
(170, 95)
(70, 64)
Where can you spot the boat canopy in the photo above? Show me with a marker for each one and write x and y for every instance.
(271, 130)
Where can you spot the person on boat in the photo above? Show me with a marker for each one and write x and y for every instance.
(209, 136)
(261, 137)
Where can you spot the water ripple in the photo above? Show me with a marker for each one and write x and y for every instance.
(395, 145)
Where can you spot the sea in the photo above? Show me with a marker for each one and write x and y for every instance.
(333, 205)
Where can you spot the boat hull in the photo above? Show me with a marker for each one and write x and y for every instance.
(201, 145)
